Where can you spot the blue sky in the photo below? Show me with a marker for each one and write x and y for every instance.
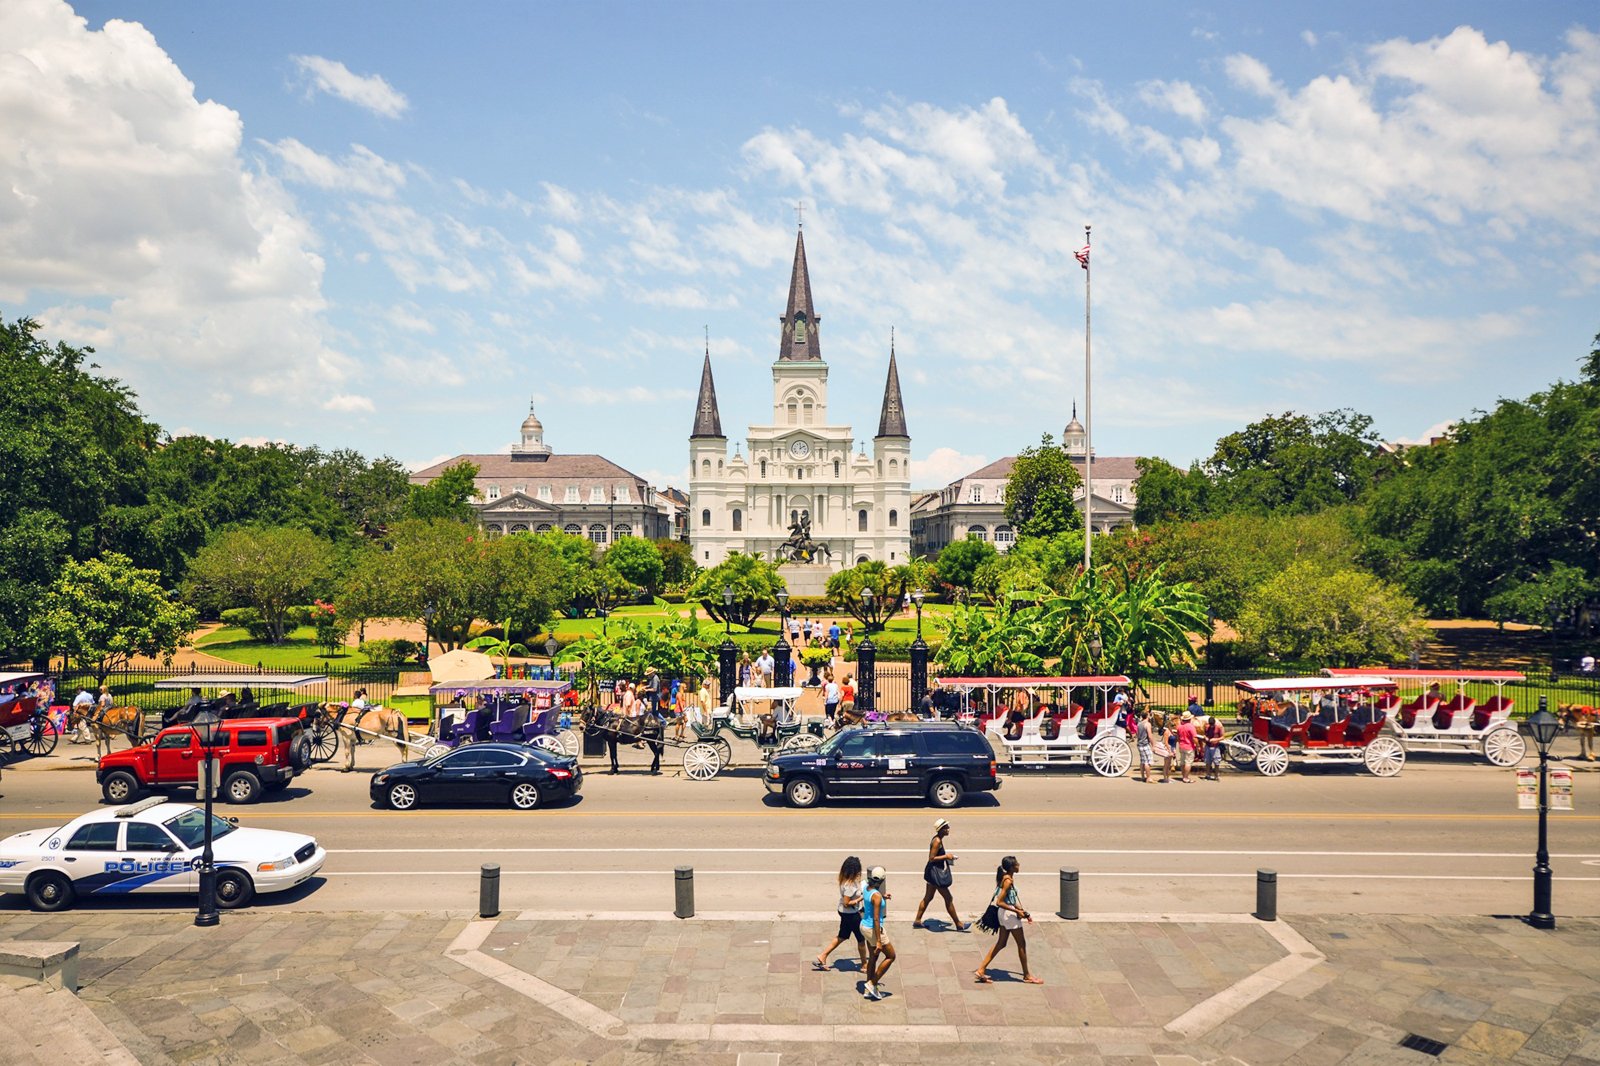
(385, 226)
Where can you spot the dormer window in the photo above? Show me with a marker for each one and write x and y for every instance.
(494, 492)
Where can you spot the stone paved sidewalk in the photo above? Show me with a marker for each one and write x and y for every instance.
(306, 988)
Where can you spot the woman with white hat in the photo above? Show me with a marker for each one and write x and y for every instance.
(938, 876)
(873, 917)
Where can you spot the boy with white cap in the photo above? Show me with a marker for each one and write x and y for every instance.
(875, 912)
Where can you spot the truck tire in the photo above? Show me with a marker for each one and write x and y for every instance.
(120, 787)
(241, 786)
(300, 753)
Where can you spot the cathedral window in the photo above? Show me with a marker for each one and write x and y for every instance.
(799, 473)
(861, 521)
(880, 467)
(894, 519)
(705, 519)
(494, 492)
(800, 329)
(807, 412)
(738, 520)
(836, 468)
(894, 469)
(705, 468)
(793, 411)
(719, 467)
(763, 468)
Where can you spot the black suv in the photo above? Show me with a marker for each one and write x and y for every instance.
(939, 760)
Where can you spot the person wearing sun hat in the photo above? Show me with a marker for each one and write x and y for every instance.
(938, 876)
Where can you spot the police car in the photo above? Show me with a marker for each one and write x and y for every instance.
(151, 846)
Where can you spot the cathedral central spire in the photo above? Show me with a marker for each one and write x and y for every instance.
(799, 339)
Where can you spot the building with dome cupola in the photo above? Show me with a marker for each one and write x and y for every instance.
(534, 489)
(799, 468)
(974, 507)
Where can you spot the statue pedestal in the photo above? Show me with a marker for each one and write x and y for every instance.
(807, 579)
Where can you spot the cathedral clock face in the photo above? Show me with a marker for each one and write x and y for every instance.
(799, 449)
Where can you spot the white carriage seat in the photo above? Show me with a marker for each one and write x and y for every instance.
(784, 713)
(1495, 710)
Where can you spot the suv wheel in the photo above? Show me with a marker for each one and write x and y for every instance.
(300, 753)
(234, 889)
(946, 792)
(49, 891)
(241, 786)
(119, 787)
(803, 792)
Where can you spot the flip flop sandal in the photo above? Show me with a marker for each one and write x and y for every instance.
(1030, 980)
(983, 978)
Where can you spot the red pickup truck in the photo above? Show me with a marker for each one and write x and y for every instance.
(258, 755)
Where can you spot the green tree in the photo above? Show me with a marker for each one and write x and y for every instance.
(1299, 464)
(536, 577)
(958, 563)
(1039, 501)
(1165, 494)
(449, 495)
(270, 568)
(637, 562)
(1330, 618)
(677, 561)
(102, 613)
(437, 571)
(888, 585)
(755, 584)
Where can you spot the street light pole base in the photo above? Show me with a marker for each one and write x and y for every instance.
(205, 921)
(1542, 921)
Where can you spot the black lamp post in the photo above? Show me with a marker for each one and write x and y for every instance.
(1555, 616)
(551, 646)
(205, 727)
(867, 660)
(727, 654)
(1543, 725)
(727, 611)
(1211, 626)
(867, 598)
(919, 658)
(781, 652)
(917, 597)
(427, 629)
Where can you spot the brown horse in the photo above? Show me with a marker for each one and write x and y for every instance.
(116, 722)
(646, 729)
(1583, 719)
(358, 728)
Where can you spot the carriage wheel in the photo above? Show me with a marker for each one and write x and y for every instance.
(1504, 747)
(548, 743)
(1272, 760)
(701, 761)
(724, 750)
(1110, 756)
(568, 741)
(1384, 756)
(324, 740)
(40, 740)
(1241, 749)
(802, 742)
(435, 750)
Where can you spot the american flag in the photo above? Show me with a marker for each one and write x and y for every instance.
(1083, 256)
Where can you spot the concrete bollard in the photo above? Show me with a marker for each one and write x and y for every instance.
(489, 890)
(683, 891)
(1267, 895)
(1069, 894)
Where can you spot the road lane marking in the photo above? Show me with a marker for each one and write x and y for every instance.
(704, 814)
(984, 874)
(920, 851)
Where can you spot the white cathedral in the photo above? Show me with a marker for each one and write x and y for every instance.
(799, 470)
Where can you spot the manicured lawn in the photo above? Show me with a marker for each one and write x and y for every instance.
(299, 649)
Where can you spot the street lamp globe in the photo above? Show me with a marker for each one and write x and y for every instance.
(727, 595)
(205, 727)
(1543, 726)
(551, 646)
(919, 596)
(1095, 647)
(867, 596)
(783, 599)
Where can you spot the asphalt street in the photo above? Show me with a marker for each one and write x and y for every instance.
(1443, 837)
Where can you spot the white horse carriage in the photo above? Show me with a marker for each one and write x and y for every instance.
(1432, 722)
(1034, 721)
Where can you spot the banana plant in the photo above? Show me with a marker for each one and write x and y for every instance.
(502, 646)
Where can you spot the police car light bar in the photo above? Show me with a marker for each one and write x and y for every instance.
(140, 807)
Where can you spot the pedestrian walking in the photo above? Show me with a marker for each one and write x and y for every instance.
(794, 632)
(82, 706)
(1162, 741)
(832, 693)
(880, 952)
(1142, 741)
(1213, 738)
(939, 877)
(765, 665)
(1006, 914)
(851, 891)
(747, 670)
(1186, 745)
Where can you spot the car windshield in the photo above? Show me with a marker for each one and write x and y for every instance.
(827, 747)
(190, 827)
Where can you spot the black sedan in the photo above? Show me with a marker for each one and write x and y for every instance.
(522, 776)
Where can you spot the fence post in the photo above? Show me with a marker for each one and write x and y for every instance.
(1267, 895)
(1069, 894)
(782, 663)
(683, 892)
(489, 890)
(727, 669)
(919, 673)
(866, 675)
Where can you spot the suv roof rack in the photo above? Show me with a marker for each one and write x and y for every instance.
(140, 807)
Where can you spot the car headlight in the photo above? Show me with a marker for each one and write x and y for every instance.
(275, 864)
(380, 779)
(773, 771)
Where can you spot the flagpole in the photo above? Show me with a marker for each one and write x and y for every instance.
(1088, 420)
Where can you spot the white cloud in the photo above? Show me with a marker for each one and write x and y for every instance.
(368, 91)
(1427, 436)
(348, 403)
(130, 219)
(942, 466)
(1178, 97)
(361, 171)
(1309, 38)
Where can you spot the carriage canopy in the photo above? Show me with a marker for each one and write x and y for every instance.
(500, 685)
(1032, 682)
(1497, 676)
(1315, 684)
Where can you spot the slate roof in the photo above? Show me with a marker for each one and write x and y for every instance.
(809, 348)
(707, 419)
(892, 419)
(556, 467)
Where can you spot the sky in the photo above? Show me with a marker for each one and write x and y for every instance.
(388, 226)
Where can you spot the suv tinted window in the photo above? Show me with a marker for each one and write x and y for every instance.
(855, 747)
(96, 836)
(954, 742)
(175, 740)
(251, 738)
(895, 744)
(286, 732)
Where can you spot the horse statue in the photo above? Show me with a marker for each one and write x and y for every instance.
(800, 548)
(104, 727)
(355, 728)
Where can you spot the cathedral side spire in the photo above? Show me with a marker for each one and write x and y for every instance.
(799, 339)
(707, 420)
(892, 419)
